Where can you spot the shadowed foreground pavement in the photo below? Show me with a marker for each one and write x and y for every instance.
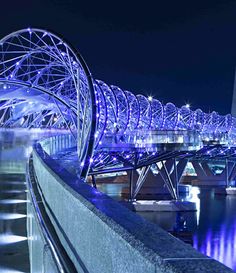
(14, 255)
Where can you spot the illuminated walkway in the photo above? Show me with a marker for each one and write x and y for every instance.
(15, 146)
(14, 256)
(14, 253)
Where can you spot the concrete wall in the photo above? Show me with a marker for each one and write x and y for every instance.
(102, 236)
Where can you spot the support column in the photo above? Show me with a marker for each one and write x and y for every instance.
(94, 181)
(141, 180)
(232, 172)
(131, 185)
(227, 172)
(176, 182)
(170, 178)
(205, 176)
(167, 180)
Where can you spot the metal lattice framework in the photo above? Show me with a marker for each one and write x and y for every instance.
(44, 82)
(123, 111)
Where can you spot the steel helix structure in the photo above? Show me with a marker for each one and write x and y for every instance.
(121, 110)
(45, 83)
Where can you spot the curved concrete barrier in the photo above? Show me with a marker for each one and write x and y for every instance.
(100, 235)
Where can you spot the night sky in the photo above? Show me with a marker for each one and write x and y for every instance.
(178, 51)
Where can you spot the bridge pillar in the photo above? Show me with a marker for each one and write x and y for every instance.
(165, 179)
(176, 180)
(131, 186)
(94, 181)
(206, 177)
(227, 172)
(232, 174)
(169, 175)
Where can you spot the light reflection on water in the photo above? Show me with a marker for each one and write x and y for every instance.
(219, 245)
(216, 234)
(194, 198)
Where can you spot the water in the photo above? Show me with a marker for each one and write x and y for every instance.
(215, 234)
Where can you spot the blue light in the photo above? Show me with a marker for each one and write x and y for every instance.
(100, 113)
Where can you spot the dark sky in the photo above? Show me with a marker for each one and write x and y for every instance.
(179, 51)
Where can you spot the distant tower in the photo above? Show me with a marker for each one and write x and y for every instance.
(233, 107)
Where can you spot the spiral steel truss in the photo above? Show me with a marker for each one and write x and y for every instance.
(121, 112)
(44, 82)
(136, 131)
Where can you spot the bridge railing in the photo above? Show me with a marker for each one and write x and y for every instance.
(213, 138)
(145, 138)
(86, 221)
(55, 144)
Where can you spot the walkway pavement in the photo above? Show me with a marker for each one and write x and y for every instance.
(14, 254)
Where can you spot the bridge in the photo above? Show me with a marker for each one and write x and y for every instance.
(45, 83)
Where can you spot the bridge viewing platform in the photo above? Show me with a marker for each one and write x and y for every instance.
(102, 129)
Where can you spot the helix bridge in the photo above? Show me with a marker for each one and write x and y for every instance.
(45, 83)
